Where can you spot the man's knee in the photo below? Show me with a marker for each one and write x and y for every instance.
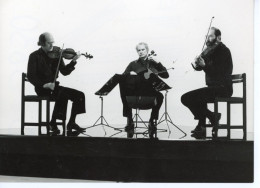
(185, 99)
(81, 96)
(159, 97)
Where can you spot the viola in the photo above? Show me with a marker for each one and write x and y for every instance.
(149, 72)
(67, 53)
(152, 70)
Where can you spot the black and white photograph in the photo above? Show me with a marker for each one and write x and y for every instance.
(128, 91)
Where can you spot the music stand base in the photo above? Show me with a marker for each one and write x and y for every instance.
(102, 119)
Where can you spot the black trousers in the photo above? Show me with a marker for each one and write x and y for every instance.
(136, 86)
(197, 100)
(61, 95)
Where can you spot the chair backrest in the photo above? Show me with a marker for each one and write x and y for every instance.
(240, 78)
(24, 79)
(141, 102)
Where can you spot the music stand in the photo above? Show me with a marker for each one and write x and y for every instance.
(105, 90)
(167, 118)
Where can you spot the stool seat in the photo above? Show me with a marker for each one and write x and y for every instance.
(230, 99)
(141, 102)
(34, 98)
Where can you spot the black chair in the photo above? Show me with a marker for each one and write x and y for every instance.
(39, 100)
(141, 103)
(238, 78)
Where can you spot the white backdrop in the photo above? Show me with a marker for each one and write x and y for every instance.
(109, 30)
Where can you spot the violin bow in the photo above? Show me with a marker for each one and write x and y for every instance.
(207, 33)
(58, 67)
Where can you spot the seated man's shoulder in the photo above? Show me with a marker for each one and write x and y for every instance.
(36, 52)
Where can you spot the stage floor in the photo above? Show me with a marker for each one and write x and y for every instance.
(99, 157)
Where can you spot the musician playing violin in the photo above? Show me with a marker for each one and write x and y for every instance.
(140, 66)
(41, 72)
(216, 62)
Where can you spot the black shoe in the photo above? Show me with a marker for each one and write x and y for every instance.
(199, 130)
(74, 126)
(152, 129)
(54, 128)
(199, 135)
(129, 128)
(214, 118)
(74, 133)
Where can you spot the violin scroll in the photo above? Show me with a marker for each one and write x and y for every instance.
(87, 55)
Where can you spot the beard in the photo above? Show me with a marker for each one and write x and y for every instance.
(210, 43)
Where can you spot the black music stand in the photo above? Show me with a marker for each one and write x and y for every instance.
(105, 90)
(167, 118)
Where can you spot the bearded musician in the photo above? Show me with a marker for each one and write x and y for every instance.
(218, 67)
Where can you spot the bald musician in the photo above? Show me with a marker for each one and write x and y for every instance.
(41, 71)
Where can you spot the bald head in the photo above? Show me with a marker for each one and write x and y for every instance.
(46, 41)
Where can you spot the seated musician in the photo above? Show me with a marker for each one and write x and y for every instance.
(139, 67)
(217, 65)
(41, 73)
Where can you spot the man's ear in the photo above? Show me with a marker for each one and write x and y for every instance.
(219, 38)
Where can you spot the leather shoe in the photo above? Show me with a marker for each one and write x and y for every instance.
(198, 135)
(199, 130)
(74, 126)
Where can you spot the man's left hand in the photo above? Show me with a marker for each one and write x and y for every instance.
(152, 58)
(201, 62)
(76, 56)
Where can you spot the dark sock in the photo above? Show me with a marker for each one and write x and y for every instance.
(129, 120)
(53, 121)
(209, 113)
(72, 118)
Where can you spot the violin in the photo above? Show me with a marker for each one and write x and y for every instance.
(207, 52)
(67, 53)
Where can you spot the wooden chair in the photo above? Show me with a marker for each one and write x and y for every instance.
(39, 100)
(237, 78)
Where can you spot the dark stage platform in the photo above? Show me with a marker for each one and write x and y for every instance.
(126, 160)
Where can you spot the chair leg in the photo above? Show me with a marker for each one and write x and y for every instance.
(228, 119)
(48, 116)
(40, 118)
(22, 117)
(216, 111)
(64, 127)
(244, 122)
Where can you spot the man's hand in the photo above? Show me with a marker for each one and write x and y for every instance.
(49, 85)
(76, 56)
(200, 62)
(152, 58)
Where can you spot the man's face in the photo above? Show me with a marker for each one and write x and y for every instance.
(142, 51)
(49, 43)
(211, 38)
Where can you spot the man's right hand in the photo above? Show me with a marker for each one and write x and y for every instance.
(49, 85)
